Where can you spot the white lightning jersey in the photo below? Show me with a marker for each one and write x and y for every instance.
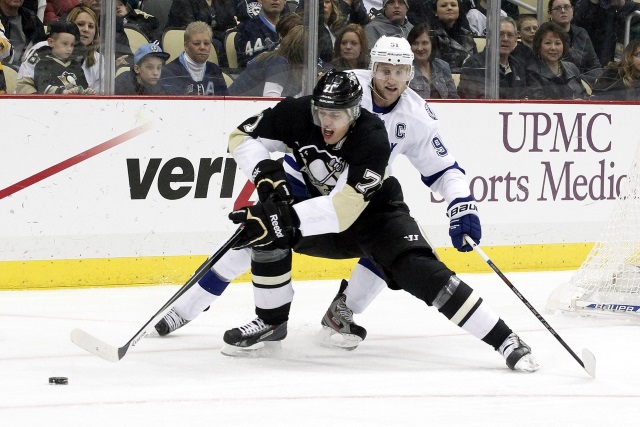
(413, 131)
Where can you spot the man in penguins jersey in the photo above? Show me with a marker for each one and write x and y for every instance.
(413, 131)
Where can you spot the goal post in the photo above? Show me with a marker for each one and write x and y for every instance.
(608, 281)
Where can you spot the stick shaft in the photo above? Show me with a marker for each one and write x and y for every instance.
(504, 278)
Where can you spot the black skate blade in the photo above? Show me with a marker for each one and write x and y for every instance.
(328, 337)
(262, 349)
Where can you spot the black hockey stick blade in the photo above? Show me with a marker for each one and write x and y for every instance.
(112, 353)
(588, 361)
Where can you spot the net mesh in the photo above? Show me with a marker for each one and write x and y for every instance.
(610, 275)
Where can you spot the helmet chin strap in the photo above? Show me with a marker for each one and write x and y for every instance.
(373, 89)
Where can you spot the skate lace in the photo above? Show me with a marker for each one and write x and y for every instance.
(174, 320)
(344, 311)
(511, 343)
(253, 327)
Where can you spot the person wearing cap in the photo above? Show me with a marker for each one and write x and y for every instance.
(145, 73)
(392, 22)
(55, 69)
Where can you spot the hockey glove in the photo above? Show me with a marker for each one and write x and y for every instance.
(265, 223)
(271, 181)
(463, 216)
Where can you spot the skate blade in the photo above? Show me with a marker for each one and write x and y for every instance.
(527, 363)
(262, 349)
(328, 337)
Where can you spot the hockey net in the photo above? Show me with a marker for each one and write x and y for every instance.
(608, 281)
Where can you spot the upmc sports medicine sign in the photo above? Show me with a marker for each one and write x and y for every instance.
(92, 178)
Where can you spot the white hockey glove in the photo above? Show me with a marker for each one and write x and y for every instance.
(463, 216)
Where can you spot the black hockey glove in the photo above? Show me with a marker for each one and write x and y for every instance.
(271, 181)
(265, 223)
(463, 216)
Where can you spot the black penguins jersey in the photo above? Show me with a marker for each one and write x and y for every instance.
(342, 178)
(52, 75)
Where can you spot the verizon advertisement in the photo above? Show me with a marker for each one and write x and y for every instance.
(108, 178)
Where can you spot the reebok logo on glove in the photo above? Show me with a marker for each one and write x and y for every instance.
(275, 224)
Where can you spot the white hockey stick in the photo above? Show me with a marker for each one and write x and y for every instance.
(112, 353)
(588, 361)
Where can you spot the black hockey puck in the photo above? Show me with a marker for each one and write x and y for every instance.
(59, 380)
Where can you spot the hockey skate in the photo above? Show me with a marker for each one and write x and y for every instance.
(518, 354)
(339, 328)
(253, 339)
(170, 322)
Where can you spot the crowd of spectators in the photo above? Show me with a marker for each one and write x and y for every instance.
(579, 53)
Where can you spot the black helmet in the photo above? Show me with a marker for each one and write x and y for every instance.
(337, 90)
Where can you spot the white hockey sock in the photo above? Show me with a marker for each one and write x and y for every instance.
(481, 321)
(364, 286)
(193, 302)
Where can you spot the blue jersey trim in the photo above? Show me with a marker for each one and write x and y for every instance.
(429, 180)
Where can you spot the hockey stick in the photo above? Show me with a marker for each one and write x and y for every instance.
(112, 353)
(589, 363)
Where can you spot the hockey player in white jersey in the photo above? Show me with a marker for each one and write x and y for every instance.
(413, 131)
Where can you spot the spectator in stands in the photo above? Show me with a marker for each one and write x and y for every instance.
(143, 22)
(432, 76)
(123, 54)
(275, 73)
(92, 64)
(22, 27)
(191, 73)
(604, 21)
(580, 50)
(258, 35)
(392, 22)
(331, 22)
(144, 76)
(55, 70)
(5, 45)
(455, 39)
(621, 81)
(286, 23)
(5, 51)
(354, 11)
(56, 9)
(247, 9)
(350, 51)
(527, 27)
(512, 75)
(477, 18)
(550, 77)
(219, 14)
(86, 51)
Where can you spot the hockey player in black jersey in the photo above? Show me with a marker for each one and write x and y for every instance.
(354, 210)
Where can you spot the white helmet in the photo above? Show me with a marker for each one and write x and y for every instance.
(391, 50)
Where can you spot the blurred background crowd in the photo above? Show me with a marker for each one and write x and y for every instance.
(560, 49)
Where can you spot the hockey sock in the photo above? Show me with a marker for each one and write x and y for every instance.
(365, 284)
(272, 289)
(464, 307)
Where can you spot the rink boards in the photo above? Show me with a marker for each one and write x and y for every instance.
(111, 191)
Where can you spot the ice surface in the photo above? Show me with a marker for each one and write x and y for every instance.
(414, 369)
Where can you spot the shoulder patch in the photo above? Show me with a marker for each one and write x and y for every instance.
(33, 59)
(429, 111)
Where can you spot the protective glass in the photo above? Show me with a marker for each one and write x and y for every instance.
(398, 73)
(334, 119)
